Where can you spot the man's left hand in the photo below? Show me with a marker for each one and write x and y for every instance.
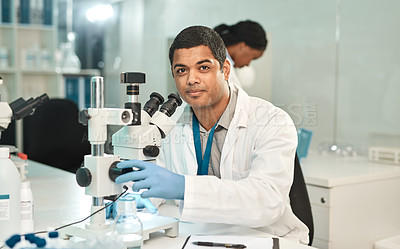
(160, 182)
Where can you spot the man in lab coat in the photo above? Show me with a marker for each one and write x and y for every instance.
(230, 158)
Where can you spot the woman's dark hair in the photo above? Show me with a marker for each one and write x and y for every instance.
(196, 36)
(249, 32)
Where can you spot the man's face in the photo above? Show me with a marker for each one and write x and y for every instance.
(198, 77)
(246, 55)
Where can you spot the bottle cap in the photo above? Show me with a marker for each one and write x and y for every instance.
(30, 237)
(25, 184)
(13, 240)
(40, 242)
(53, 234)
(126, 204)
(23, 156)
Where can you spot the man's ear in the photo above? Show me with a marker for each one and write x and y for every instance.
(227, 69)
(172, 72)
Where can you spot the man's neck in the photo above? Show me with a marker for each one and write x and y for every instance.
(208, 116)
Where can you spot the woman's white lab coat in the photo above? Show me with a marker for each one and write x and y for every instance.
(257, 164)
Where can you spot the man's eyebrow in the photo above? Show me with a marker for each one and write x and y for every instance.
(203, 61)
(197, 63)
(179, 65)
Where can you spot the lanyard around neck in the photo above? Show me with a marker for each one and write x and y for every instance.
(202, 163)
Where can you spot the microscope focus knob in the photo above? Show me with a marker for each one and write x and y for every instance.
(84, 117)
(151, 151)
(83, 177)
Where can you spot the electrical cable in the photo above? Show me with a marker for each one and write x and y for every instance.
(76, 222)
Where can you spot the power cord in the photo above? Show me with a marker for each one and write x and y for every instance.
(76, 222)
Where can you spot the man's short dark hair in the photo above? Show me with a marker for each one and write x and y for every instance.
(196, 36)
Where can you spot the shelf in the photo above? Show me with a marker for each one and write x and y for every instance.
(7, 70)
(84, 72)
(38, 71)
(7, 25)
(31, 59)
(35, 27)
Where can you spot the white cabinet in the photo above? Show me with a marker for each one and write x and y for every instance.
(30, 51)
(354, 202)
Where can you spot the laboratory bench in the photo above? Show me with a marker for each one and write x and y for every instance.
(354, 201)
(59, 200)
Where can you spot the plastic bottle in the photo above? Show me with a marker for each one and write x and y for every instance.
(21, 163)
(45, 59)
(3, 57)
(70, 61)
(4, 95)
(127, 227)
(10, 196)
(27, 223)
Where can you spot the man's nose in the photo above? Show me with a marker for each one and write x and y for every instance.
(193, 78)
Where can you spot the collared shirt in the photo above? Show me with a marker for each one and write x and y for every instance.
(219, 134)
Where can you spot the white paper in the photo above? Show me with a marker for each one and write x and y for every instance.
(249, 242)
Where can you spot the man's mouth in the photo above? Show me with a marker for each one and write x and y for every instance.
(194, 92)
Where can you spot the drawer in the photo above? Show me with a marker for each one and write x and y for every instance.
(319, 196)
(321, 221)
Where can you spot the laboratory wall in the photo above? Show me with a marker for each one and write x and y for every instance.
(333, 65)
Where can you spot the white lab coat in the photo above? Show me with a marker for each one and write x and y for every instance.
(233, 78)
(257, 163)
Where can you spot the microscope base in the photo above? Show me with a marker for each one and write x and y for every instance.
(151, 223)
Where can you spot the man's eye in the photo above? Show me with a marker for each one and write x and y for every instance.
(180, 70)
(204, 67)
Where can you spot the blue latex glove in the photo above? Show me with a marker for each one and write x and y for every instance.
(141, 203)
(160, 182)
(111, 210)
(144, 203)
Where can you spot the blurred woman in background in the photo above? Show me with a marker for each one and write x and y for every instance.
(245, 41)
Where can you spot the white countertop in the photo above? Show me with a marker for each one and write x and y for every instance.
(57, 196)
(330, 170)
(59, 200)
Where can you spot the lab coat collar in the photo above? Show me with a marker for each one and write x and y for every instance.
(240, 117)
(239, 121)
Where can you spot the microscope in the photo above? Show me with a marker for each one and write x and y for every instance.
(18, 109)
(139, 138)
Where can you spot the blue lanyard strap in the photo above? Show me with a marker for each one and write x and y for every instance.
(202, 163)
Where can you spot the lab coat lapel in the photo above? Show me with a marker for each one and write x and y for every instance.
(239, 121)
(187, 132)
(188, 136)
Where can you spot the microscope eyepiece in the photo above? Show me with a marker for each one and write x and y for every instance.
(38, 101)
(22, 108)
(169, 107)
(153, 103)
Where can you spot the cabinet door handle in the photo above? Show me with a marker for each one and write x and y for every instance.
(323, 200)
